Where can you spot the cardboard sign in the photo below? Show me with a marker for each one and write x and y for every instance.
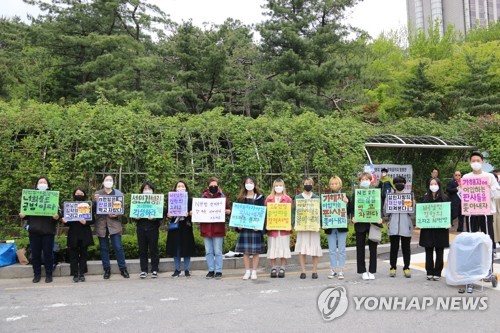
(146, 205)
(434, 215)
(247, 216)
(110, 204)
(334, 210)
(307, 214)
(367, 205)
(279, 216)
(398, 203)
(476, 198)
(207, 210)
(39, 203)
(77, 210)
(177, 203)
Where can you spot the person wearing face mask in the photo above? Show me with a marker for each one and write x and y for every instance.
(337, 237)
(452, 189)
(250, 241)
(399, 228)
(213, 233)
(308, 242)
(483, 223)
(362, 231)
(180, 241)
(79, 239)
(278, 241)
(385, 184)
(148, 231)
(42, 230)
(110, 225)
(434, 239)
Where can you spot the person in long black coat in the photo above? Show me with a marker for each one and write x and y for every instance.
(79, 239)
(434, 239)
(456, 204)
(180, 241)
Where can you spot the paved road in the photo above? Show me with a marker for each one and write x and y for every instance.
(196, 304)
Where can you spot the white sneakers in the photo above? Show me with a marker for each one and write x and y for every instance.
(368, 276)
(250, 275)
(371, 276)
(332, 274)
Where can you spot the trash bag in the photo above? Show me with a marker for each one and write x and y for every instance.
(8, 254)
(470, 258)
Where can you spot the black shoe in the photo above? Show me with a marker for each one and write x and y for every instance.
(218, 275)
(75, 279)
(187, 274)
(36, 279)
(176, 274)
(82, 278)
(302, 276)
(274, 272)
(210, 275)
(107, 273)
(315, 275)
(124, 273)
(48, 279)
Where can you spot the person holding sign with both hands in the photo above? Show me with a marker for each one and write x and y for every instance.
(79, 239)
(308, 241)
(42, 230)
(278, 241)
(148, 230)
(180, 238)
(110, 225)
(364, 210)
(250, 241)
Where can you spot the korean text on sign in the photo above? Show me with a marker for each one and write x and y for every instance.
(367, 205)
(307, 214)
(39, 203)
(279, 216)
(77, 210)
(209, 210)
(247, 216)
(434, 215)
(334, 210)
(110, 204)
(476, 198)
(177, 203)
(146, 205)
(399, 203)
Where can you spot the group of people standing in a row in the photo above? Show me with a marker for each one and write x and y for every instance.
(180, 238)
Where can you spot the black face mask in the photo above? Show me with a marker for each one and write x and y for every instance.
(79, 198)
(400, 187)
(308, 188)
(213, 189)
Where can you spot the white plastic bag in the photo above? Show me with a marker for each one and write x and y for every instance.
(469, 259)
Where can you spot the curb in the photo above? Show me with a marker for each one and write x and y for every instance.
(167, 264)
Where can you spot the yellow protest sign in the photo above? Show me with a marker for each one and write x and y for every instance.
(307, 214)
(279, 216)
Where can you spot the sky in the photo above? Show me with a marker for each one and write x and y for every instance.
(374, 16)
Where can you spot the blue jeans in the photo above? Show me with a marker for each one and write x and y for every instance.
(337, 240)
(177, 263)
(116, 242)
(213, 250)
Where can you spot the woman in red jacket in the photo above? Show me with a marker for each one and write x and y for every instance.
(213, 233)
(278, 240)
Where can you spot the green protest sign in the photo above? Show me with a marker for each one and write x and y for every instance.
(434, 215)
(39, 203)
(334, 210)
(367, 205)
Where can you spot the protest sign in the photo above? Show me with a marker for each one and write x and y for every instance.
(399, 203)
(39, 203)
(146, 205)
(434, 215)
(209, 210)
(110, 204)
(367, 205)
(247, 216)
(177, 203)
(475, 195)
(77, 210)
(334, 210)
(279, 216)
(307, 214)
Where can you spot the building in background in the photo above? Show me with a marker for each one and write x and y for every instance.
(463, 14)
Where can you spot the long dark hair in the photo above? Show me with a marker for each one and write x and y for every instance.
(147, 183)
(243, 191)
(183, 182)
(46, 179)
(80, 189)
(439, 193)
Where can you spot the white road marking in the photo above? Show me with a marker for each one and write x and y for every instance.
(16, 318)
(170, 299)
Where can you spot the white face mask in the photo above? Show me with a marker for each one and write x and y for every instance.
(147, 192)
(434, 188)
(42, 187)
(384, 174)
(364, 183)
(278, 189)
(249, 187)
(181, 189)
(108, 184)
(476, 166)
